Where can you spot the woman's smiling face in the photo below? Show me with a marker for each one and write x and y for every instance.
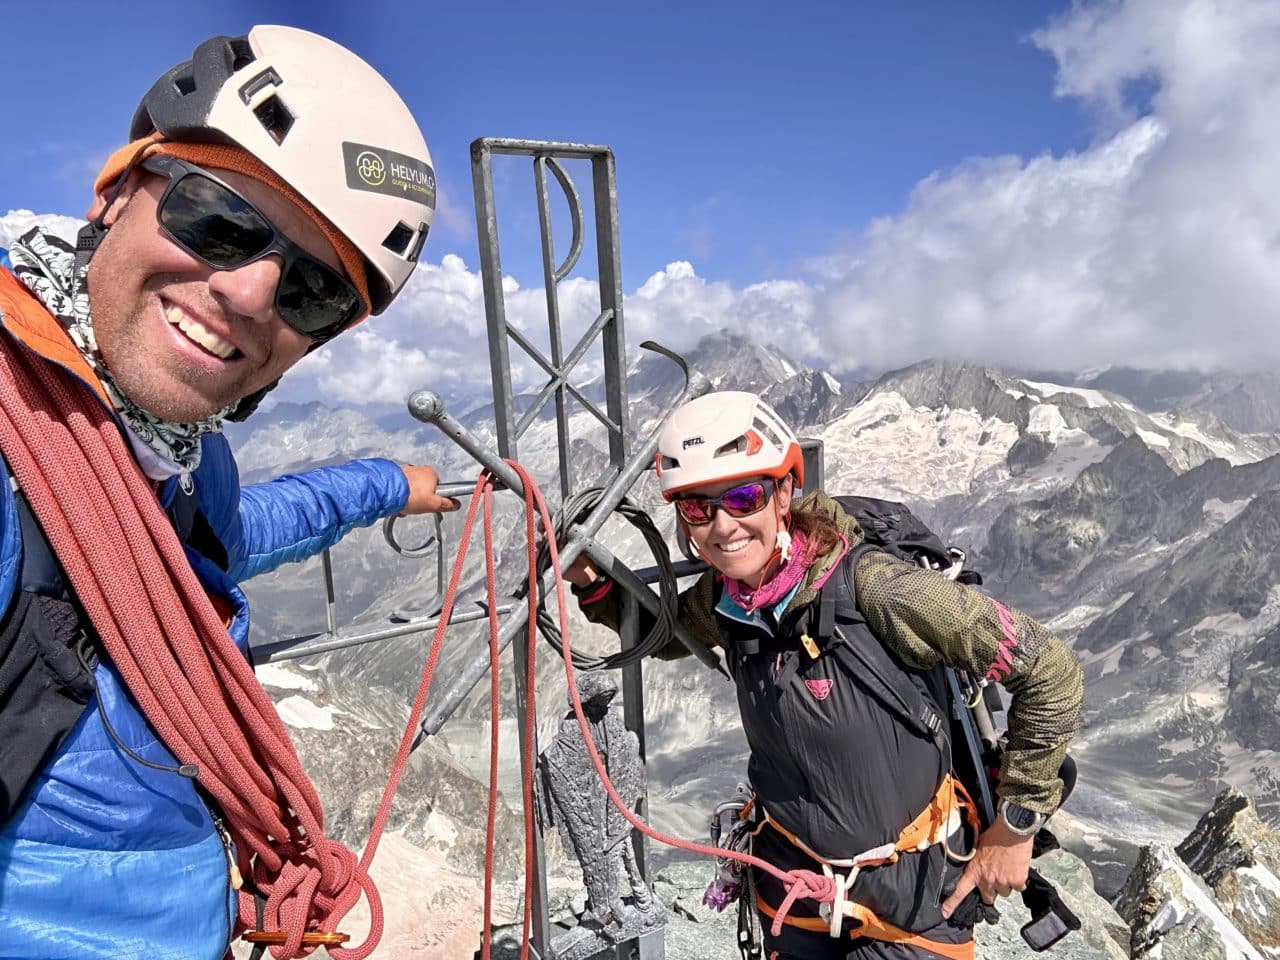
(740, 547)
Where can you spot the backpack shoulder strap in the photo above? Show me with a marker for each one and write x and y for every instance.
(41, 572)
(840, 624)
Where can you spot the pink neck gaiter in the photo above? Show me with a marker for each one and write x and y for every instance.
(781, 583)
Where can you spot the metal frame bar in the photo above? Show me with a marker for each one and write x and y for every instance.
(608, 326)
(546, 155)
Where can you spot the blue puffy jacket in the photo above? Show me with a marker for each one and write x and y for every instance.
(111, 858)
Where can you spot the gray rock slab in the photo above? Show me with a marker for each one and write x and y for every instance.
(1172, 914)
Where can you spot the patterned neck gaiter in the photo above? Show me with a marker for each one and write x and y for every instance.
(783, 581)
(45, 263)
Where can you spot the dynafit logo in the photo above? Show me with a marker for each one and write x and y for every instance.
(370, 168)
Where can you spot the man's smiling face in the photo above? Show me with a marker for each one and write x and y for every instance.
(181, 339)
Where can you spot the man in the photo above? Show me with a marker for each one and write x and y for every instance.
(274, 193)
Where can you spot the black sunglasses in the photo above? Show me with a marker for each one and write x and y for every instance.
(215, 224)
(740, 501)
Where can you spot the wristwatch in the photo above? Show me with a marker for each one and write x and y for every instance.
(1020, 821)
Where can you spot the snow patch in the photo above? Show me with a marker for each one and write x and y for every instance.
(1111, 663)
(832, 382)
(1224, 511)
(1074, 618)
(1234, 941)
(1223, 447)
(1262, 877)
(1083, 614)
(1092, 398)
(1212, 698)
(440, 827)
(1046, 418)
(274, 675)
(302, 713)
(1152, 439)
(883, 446)
(1233, 624)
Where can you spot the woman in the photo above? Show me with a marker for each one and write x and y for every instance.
(843, 784)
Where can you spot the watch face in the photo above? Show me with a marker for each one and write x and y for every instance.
(1019, 818)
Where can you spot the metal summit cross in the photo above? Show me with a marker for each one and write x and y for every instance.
(626, 466)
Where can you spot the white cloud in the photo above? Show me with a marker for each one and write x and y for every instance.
(17, 222)
(435, 335)
(1158, 245)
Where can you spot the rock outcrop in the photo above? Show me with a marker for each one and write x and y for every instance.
(1216, 895)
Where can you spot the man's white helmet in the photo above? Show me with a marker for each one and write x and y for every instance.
(725, 436)
(325, 122)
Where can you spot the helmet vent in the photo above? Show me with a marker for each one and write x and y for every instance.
(667, 463)
(241, 53)
(398, 239)
(768, 432)
(274, 117)
(184, 83)
(416, 250)
(732, 447)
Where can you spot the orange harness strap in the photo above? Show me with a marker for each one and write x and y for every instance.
(933, 825)
(930, 827)
(873, 927)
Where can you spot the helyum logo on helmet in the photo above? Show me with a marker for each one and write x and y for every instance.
(371, 168)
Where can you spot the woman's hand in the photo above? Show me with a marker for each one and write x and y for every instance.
(582, 573)
(999, 866)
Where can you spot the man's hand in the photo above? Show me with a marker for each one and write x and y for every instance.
(422, 492)
(999, 866)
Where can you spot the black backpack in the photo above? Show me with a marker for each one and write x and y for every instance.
(891, 526)
(927, 702)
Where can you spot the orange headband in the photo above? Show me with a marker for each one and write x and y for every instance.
(227, 157)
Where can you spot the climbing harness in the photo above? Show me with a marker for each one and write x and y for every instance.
(948, 812)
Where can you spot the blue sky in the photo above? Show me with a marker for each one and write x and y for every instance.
(748, 135)
(1064, 185)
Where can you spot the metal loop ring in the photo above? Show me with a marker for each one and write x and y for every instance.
(389, 533)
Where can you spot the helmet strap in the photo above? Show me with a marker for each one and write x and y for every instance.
(688, 535)
(247, 404)
(87, 240)
(784, 525)
(782, 550)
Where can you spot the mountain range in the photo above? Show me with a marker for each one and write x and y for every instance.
(1136, 514)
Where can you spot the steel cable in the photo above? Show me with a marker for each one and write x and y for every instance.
(574, 510)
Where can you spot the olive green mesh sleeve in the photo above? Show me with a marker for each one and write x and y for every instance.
(925, 618)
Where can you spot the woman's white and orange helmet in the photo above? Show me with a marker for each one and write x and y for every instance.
(727, 435)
